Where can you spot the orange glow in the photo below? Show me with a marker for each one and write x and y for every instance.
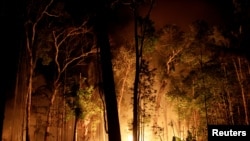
(130, 137)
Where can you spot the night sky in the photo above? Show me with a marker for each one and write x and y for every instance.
(184, 12)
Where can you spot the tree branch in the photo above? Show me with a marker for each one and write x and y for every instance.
(76, 58)
(71, 32)
(172, 58)
(51, 15)
(38, 20)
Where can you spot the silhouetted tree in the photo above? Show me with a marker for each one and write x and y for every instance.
(107, 84)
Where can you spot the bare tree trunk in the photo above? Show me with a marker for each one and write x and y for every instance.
(240, 78)
(2, 111)
(123, 87)
(165, 112)
(11, 28)
(248, 66)
(158, 101)
(30, 39)
(109, 90)
(62, 130)
(230, 107)
(195, 123)
(49, 113)
(138, 58)
(107, 76)
(31, 50)
(136, 81)
(29, 92)
(75, 129)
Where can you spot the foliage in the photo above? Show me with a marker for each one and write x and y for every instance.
(148, 37)
(147, 92)
(81, 102)
(123, 60)
(84, 101)
(202, 81)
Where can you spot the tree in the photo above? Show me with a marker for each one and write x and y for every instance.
(241, 79)
(84, 107)
(123, 65)
(11, 15)
(197, 69)
(171, 45)
(107, 82)
(142, 28)
(31, 48)
(48, 41)
(64, 56)
(147, 99)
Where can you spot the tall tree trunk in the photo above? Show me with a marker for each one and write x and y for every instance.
(29, 91)
(123, 87)
(75, 129)
(49, 112)
(107, 76)
(165, 112)
(228, 98)
(11, 28)
(230, 107)
(239, 74)
(30, 39)
(12, 31)
(158, 101)
(31, 30)
(2, 110)
(136, 81)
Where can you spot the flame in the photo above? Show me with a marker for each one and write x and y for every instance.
(130, 137)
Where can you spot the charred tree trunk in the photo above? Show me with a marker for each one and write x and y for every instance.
(107, 77)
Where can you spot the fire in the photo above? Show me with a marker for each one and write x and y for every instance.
(130, 137)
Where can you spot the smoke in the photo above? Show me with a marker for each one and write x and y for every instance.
(179, 12)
